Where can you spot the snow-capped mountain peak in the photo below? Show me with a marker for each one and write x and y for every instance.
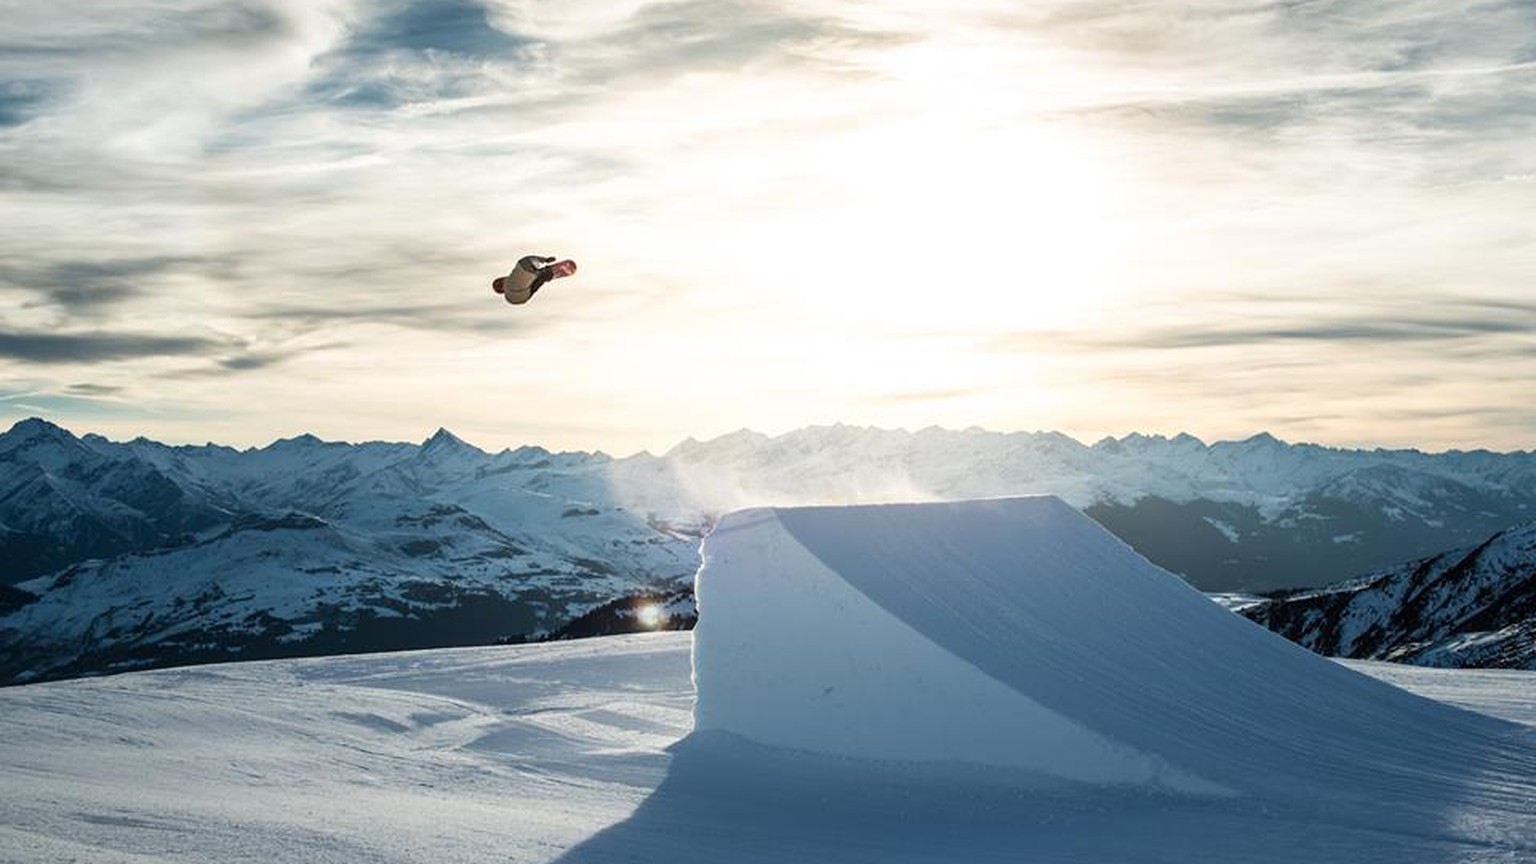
(33, 428)
(443, 441)
(740, 441)
(41, 443)
(298, 442)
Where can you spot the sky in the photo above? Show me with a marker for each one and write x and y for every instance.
(244, 220)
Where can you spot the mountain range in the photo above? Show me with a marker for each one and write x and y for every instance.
(1251, 515)
(151, 555)
(117, 555)
(1471, 607)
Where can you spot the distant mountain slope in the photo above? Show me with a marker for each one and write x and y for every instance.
(63, 501)
(1474, 607)
(169, 555)
(127, 554)
(1249, 515)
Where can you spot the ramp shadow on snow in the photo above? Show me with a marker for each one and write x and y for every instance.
(725, 799)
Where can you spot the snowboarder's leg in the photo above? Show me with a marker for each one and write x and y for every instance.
(538, 282)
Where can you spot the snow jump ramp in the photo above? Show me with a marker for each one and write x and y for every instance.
(1004, 681)
(1020, 634)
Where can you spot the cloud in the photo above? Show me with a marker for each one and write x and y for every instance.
(145, 28)
(484, 318)
(248, 362)
(495, 320)
(85, 389)
(24, 98)
(83, 286)
(701, 36)
(1294, 37)
(146, 86)
(525, 62)
(1243, 321)
(212, 356)
(414, 52)
(318, 192)
(1388, 332)
(73, 403)
(460, 27)
(1417, 90)
(59, 348)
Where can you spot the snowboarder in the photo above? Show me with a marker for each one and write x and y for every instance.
(530, 274)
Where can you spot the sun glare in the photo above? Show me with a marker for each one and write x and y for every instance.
(951, 204)
(650, 616)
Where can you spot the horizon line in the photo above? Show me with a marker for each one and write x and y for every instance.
(1262, 436)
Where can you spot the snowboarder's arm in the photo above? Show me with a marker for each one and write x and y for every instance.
(532, 263)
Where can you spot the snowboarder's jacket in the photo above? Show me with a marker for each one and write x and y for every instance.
(526, 278)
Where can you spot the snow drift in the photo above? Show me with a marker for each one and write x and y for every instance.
(1018, 633)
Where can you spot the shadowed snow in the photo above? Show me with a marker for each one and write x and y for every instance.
(1017, 633)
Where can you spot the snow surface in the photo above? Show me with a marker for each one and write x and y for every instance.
(587, 752)
(581, 752)
(451, 756)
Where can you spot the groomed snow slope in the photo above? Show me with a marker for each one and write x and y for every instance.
(581, 753)
(1017, 633)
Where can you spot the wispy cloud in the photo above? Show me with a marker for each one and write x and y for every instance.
(82, 287)
(452, 319)
(22, 99)
(89, 390)
(81, 348)
(1372, 331)
(1360, 331)
(400, 54)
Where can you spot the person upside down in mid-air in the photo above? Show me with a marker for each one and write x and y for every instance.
(525, 280)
